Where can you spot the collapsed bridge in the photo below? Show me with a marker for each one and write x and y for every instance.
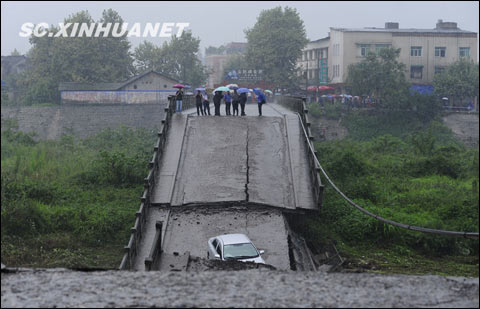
(220, 175)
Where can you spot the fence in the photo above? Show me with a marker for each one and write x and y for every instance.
(149, 183)
(298, 105)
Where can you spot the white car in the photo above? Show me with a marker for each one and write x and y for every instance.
(234, 247)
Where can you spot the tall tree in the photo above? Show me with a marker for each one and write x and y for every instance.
(75, 59)
(459, 80)
(380, 76)
(275, 43)
(178, 58)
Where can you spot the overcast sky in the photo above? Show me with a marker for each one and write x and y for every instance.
(217, 23)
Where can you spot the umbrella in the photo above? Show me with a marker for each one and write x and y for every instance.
(269, 91)
(199, 89)
(232, 86)
(178, 86)
(242, 90)
(444, 98)
(312, 88)
(324, 96)
(223, 88)
(257, 90)
(321, 88)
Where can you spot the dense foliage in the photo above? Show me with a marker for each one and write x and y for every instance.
(177, 59)
(62, 200)
(74, 59)
(404, 169)
(275, 43)
(380, 76)
(458, 80)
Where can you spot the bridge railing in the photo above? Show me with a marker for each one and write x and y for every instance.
(137, 230)
(298, 105)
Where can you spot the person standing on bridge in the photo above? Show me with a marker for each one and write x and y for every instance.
(217, 98)
(179, 98)
(261, 100)
(206, 104)
(228, 102)
(198, 102)
(235, 101)
(243, 100)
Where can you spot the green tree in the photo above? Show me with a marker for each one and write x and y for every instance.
(75, 59)
(380, 76)
(459, 80)
(275, 43)
(235, 62)
(177, 59)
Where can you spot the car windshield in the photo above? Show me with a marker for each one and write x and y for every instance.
(240, 251)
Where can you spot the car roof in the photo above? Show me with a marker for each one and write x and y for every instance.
(229, 239)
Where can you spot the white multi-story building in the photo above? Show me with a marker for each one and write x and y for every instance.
(425, 52)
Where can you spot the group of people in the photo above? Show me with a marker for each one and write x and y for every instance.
(231, 100)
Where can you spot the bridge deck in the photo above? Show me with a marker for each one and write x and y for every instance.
(214, 160)
(231, 159)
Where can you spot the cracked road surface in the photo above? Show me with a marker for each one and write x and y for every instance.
(235, 159)
(251, 288)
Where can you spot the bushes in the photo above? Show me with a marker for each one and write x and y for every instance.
(87, 189)
(423, 181)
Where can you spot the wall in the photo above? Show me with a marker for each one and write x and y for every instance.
(83, 120)
(464, 126)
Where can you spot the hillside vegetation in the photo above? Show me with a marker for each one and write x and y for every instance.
(406, 169)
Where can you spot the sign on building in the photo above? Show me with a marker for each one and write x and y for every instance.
(247, 75)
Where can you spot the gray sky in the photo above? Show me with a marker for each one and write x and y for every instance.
(217, 23)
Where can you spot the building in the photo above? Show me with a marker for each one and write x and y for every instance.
(425, 52)
(149, 87)
(216, 62)
(313, 63)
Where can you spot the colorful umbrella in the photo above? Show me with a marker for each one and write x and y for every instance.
(178, 86)
(200, 89)
(269, 91)
(312, 88)
(222, 89)
(321, 88)
(242, 90)
(232, 86)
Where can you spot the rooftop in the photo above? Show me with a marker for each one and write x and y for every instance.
(75, 86)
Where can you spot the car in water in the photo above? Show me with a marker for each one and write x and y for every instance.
(234, 247)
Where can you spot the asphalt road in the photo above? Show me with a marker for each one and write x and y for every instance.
(251, 288)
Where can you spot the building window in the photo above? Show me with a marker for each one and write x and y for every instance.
(440, 51)
(416, 72)
(439, 70)
(364, 49)
(464, 52)
(134, 86)
(165, 86)
(311, 55)
(416, 51)
(379, 47)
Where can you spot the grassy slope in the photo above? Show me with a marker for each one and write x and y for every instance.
(407, 170)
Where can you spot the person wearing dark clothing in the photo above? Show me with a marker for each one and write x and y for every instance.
(217, 98)
(198, 101)
(243, 100)
(228, 102)
(235, 101)
(179, 98)
(261, 101)
(206, 104)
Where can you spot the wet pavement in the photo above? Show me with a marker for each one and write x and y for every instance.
(248, 288)
(225, 161)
